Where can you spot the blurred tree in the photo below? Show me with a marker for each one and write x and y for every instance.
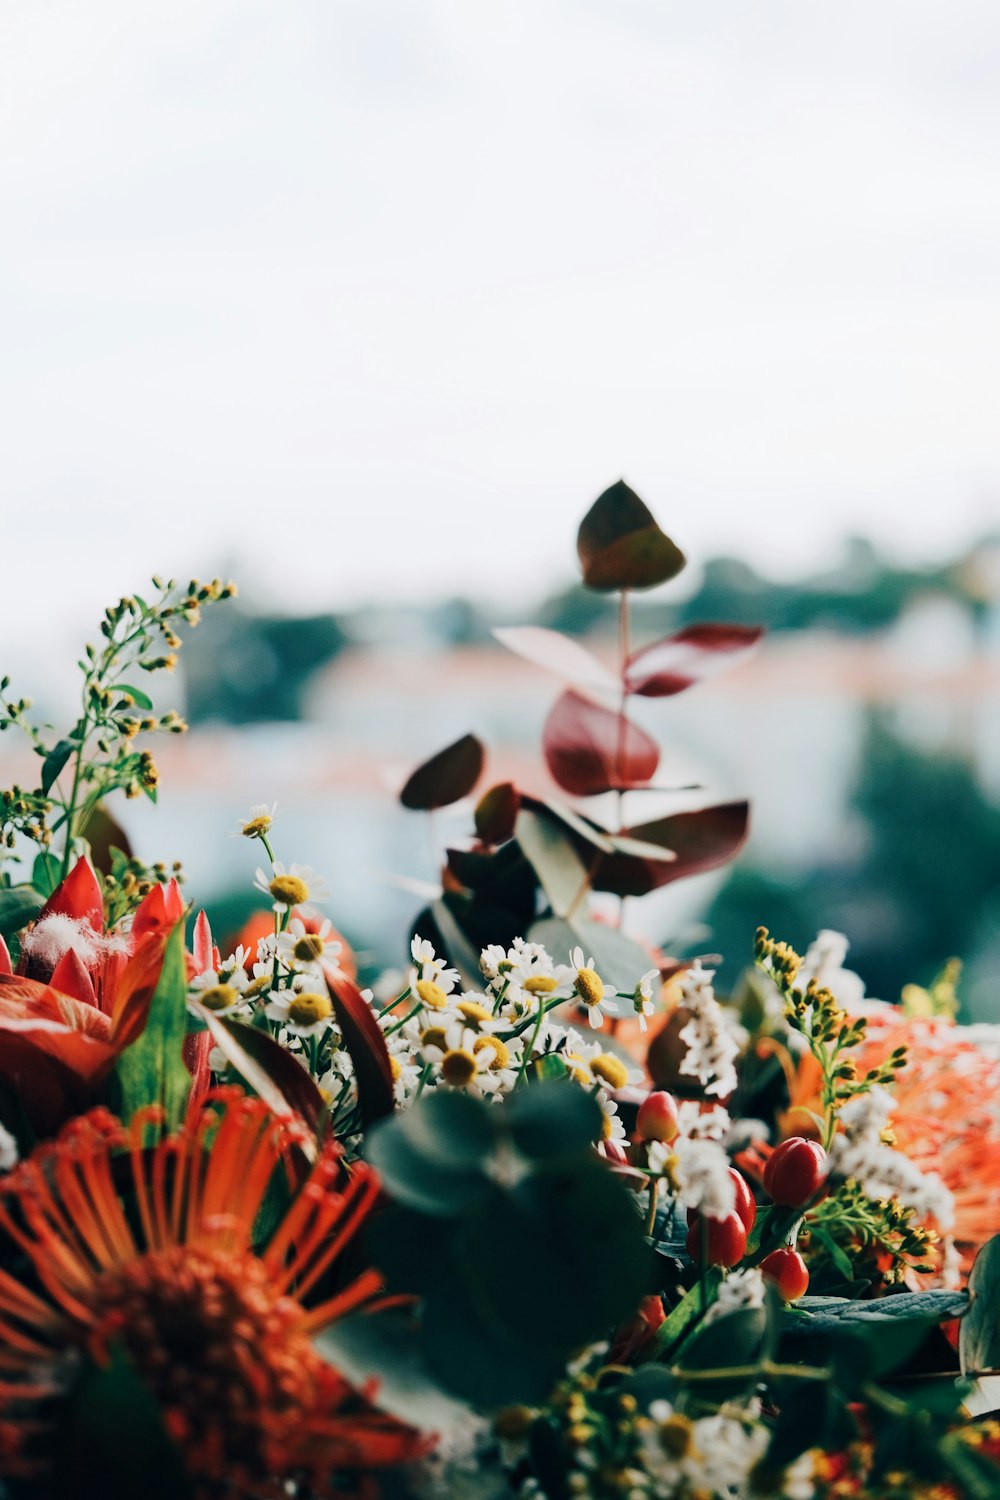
(244, 668)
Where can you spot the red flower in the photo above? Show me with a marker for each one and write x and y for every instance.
(218, 1328)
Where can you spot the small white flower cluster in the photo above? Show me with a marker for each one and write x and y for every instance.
(824, 962)
(740, 1289)
(713, 1456)
(712, 1048)
(482, 1040)
(858, 1152)
(8, 1151)
(695, 1164)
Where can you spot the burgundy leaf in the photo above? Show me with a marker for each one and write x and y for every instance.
(590, 749)
(446, 777)
(621, 546)
(701, 840)
(270, 1070)
(366, 1045)
(496, 813)
(671, 665)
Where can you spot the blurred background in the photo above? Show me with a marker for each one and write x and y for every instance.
(363, 303)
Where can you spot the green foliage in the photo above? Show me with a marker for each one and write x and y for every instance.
(152, 1070)
(487, 1194)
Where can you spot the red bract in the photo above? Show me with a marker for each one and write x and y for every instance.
(723, 1243)
(657, 1119)
(796, 1172)
(787, 1270)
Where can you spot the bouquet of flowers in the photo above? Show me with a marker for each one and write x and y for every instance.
(544, 1215)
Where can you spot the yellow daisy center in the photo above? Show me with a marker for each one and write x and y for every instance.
(458, 1067)
(472, 1010)
(431, 994)
(605, 1065)
(259, 985)
(289, 890)
(541, 984)
(395, 1067)
(307, 1009)
(605, 1127)
(219, 997)
(434, 1036)
(675, 1436)
(256, 826)
(589, 986)
(500, 1050)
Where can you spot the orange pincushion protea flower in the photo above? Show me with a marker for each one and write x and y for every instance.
(946, 1116)
(217, 1330)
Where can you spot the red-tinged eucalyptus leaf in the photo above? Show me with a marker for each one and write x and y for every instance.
(366, 1045)
(671, 665)
(446, 777)
(621, 546)
(6, 966)
(79, 896)
(559, 654)
(699, 840)
(71, 978)
(270, 1070)
(496, 813)
(201, 944)
(591, 749)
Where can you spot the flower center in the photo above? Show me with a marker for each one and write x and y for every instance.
(432, 994)
(218, 997)
(472, 1010)
(458, 1067)
(308, 948)
(500, 1050)
(675, 1436)
(395, 1067)
(605, 1065)
(256, 826)
(589, 986)
(434, 1036)
(307, 1009)
(541, 984)
(289, 890)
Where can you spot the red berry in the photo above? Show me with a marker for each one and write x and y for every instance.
(657, 1118)
(795, 1172)
(746, 1206)
(726, 1240)
(787, 1270)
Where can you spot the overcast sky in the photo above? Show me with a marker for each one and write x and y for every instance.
(372, 297)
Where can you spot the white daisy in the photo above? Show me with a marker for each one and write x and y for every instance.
(294, 886)
(303, 1013)
(591, 989)
(298, 948)
(257, 821)
(642, 997)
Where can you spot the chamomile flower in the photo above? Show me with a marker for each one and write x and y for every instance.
(258, 821)
(612, 1128)
(500, 1065)
(292, 886)
(454, 1055)
(590, 988)
(222, 993)
(298, 948)
(427, 966)
(642, 996)
(303, 1013)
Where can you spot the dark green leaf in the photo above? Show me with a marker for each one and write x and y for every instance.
(434, 1157)
(446, 777)
(112, 1441)
(620, 545)
(736, 1338)
(496, 811)
(979, 1338)
(386, 1347)
(45, 873)
(142, 700)
(19, 904)
(932, 1306)
(54, 763)
(554, 1119)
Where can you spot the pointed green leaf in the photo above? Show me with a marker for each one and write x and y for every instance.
(152, 1070)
